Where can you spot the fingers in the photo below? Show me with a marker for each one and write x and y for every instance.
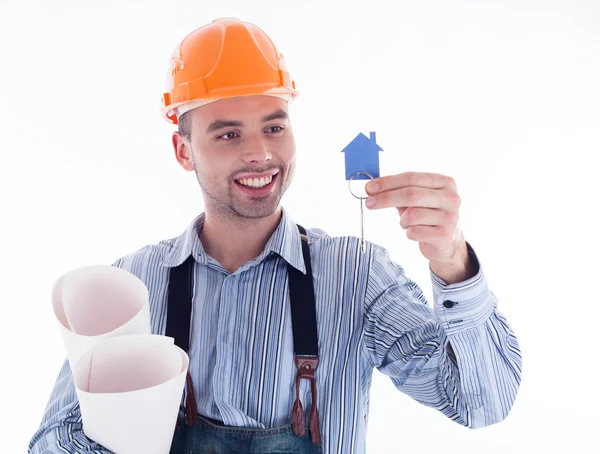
(408, 179)
(439, 236)
(426, 216)
(414, 197)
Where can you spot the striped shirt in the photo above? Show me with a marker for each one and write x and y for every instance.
(462, 360)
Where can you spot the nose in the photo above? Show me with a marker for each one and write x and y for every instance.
(256, 151)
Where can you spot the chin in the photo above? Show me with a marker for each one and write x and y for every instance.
(258, 213)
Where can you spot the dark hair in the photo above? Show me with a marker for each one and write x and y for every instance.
(184, 125)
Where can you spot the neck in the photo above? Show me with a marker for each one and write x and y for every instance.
(234, 242)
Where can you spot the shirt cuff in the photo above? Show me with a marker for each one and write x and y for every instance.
(463, 305)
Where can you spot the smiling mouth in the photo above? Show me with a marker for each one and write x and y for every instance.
(257, 183)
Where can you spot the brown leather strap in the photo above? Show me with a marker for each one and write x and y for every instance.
(191, 409)
(306, 365)
(315, 429)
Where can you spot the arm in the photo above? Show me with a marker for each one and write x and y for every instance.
(61, 430)
(462, 360)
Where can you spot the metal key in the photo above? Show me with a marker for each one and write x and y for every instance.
(362, 225)
(362, 213)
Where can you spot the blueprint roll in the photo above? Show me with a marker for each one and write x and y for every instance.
(130, 389)
(95, 303)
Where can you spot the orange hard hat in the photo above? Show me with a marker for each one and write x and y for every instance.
(223, 59)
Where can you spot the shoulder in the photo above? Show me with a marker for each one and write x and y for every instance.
(343, 247)
(320, 238)
(146, 260)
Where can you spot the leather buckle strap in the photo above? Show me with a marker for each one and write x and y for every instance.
(191, 408)
(306, 365)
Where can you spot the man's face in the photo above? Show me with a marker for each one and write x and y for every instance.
(243, 153)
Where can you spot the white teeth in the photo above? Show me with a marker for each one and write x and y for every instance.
(256, 182)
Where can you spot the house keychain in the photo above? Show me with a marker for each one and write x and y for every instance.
(362, 163)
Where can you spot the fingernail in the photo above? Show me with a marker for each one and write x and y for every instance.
(370, 201)
(373, 186)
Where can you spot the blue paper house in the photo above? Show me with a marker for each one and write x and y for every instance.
(362, 155)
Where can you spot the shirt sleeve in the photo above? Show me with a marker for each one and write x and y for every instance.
(61, 430)
(460, 357)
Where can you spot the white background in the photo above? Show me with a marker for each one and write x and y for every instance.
(502, 95)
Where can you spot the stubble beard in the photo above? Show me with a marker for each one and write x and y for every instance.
(227, 205)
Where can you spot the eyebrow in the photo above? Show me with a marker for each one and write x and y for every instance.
(220, 124)
(277, 115)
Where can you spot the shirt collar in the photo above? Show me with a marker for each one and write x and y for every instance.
(285, 242)
(187, 243)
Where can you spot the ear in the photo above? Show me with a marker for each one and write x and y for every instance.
(183, 151)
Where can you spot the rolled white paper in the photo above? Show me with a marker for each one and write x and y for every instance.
(130, 390)
(95, 303)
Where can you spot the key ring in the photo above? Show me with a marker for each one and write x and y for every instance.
(350, 184)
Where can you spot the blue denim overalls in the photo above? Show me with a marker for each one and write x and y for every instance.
(196, 434)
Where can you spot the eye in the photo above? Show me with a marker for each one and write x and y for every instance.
(228, 135)
(275, 129)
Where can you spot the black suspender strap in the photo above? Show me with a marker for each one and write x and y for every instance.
(179, 305)
(179, 315)
(302, 300)
(304, 327)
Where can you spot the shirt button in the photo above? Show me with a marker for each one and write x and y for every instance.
(448, 304)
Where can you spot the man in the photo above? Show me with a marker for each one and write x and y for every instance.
(283, 320)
